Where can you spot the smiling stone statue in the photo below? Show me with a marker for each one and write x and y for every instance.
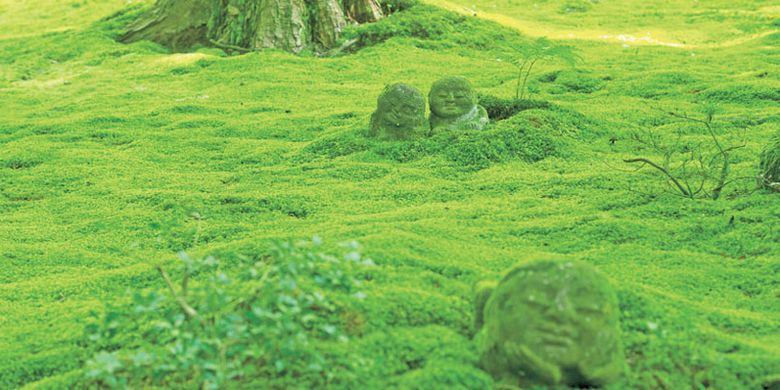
(400, 113)
(454, 106)
(550, 322)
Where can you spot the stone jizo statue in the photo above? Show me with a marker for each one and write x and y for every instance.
(400, 113)
(552, 323)
(454, 106)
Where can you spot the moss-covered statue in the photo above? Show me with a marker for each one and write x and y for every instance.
(454, 106)
(400, 113)
(550, 322)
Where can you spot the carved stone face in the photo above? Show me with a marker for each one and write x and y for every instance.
(451, 97)
(556, 318)
(400, 111)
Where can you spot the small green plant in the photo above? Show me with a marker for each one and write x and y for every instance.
(273, 319)
(693, 170)
(540, 50)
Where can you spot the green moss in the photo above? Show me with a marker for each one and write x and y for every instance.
(432, 28)
(350, 142)
(576, 81)
(770, 164)
(575, 6)
(449, 375)
(530, 138)
(39, 366)
(499, 109)
(107, 150)
(512, 139)
(743, 94)
(404, 353)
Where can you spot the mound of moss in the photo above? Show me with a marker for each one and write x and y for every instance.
(538, 131)
(657, 84)
(342, 144)
(514, 139)
(528, 138)
(572, 81)
(422, 357)
(499, 109)
(432, 28)
(742, 94)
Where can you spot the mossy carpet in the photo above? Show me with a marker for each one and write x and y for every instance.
(114, 158)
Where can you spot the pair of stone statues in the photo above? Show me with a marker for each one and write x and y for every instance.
(400, 112)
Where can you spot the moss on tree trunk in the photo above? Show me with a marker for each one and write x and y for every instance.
(176, 24)
(291, 25)
(362, 11)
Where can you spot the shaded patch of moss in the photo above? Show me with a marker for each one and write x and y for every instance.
(406, 350)
(499, 109)
(434, 27)
(517, 138)
(576, 81)
(742, 94)
(445, 374)
(342, 144)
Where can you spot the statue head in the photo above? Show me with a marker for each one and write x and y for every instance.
(400, 112)
(451, 97)
(552, 322)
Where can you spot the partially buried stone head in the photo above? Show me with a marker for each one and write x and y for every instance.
(554, 323)
(400, 113)
(454, 105)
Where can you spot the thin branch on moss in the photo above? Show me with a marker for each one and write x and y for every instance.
(525, 79)
(185, 307)
(520, 69)
(714, 166)
(662, 170)
(239, 49)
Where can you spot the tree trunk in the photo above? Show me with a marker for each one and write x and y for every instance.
(176, 24)
(328, 20)
(281, 24)
(291, 25)
(362, 11)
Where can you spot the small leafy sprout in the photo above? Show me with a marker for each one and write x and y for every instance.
(540, 50)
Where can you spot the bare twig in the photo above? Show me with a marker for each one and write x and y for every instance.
(519, 78)
(713, 170)
(230, 47)
(185, 307)
(663, 170)
(736, 179)
(184, 282)
(525, 79)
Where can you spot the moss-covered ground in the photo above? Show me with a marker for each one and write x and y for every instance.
(113, 157)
